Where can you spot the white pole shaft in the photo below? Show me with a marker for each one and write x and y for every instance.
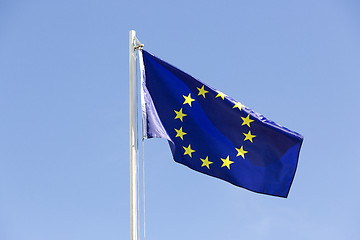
(133, 136)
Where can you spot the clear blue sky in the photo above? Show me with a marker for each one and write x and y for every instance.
(64, 155)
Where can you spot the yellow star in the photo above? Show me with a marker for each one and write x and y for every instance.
(202, 91)
(248, 136)
(226, 162)
(180, 133)
(238, 105)
(188, 99)
(206, 162)
(220, 94)
(247, 120)
(179, 114)
(188, 150)
(241, 152)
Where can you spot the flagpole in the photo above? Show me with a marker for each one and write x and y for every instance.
(133, 135)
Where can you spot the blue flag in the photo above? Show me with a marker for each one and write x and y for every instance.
(213, 134)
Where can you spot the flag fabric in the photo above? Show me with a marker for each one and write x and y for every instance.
(213, 134)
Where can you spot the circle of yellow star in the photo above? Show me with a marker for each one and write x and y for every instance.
(226, 162)
(188, 150)
(180, 114)
(248, 136)
(247, 120)
(180, 133)
(206, 162)
(238, 105)
(202, 91)
(188, 99)
(241, 152)
(220, 94)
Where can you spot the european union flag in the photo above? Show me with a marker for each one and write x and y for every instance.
(211, 133)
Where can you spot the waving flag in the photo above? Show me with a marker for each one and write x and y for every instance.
(213, 134)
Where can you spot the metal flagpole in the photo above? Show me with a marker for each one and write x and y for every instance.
(133, 136)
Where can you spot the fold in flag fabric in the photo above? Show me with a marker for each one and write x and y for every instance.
(213, 134)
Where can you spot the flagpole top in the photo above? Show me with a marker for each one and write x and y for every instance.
(135, 41)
